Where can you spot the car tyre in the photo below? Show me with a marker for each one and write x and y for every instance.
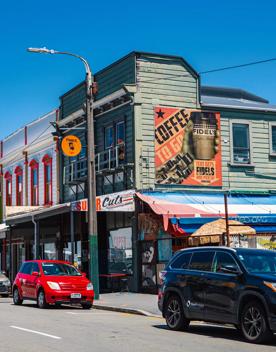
(174, 314)
(17, 300)
(87, 305)
(253, 322)
(41, 300)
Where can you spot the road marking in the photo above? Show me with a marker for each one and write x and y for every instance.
(35, 332)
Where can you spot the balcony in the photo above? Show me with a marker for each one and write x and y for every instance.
(75, 172)
(111, 159)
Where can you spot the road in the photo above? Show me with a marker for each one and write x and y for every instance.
(68, 329)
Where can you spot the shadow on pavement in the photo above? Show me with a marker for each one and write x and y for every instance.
(216, 332)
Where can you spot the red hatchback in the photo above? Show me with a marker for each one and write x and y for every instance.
(52, 282)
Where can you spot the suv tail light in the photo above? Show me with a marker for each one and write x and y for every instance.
(162, 275)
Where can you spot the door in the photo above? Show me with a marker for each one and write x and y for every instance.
(200, 265)
(24, 278)
(32, 281)
(222, 289)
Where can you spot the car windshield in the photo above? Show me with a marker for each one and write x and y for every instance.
(59, 269)
(263, 262)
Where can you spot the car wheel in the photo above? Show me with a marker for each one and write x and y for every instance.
(41, 300)
(174, 314)
(86, 305)
(254, 324)
(16, 297)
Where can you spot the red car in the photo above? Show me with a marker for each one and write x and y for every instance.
(52, 282)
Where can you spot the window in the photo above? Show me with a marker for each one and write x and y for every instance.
(241, 143)
(109, 137)
(120, 133)
(272, 140)
(34, 182)
(223, 259)
(182, 261)
(8, 178)
(47, 161)
(35, 268)
(19, 186)
(201, 261)
(27, 268)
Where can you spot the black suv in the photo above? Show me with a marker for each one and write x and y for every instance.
(223, 285)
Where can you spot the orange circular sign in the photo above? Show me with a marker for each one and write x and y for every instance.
(71, 145)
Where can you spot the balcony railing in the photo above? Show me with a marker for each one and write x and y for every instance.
(111, 158)
(75, 172)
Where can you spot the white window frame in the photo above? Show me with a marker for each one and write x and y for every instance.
(241, 122)
(271, 152)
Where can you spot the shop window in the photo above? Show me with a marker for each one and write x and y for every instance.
(241, 153)
(47, 162)
(120, 251)
(19, 186)
(108, 137)
(8, 179)
(272, 139)
(34, 182)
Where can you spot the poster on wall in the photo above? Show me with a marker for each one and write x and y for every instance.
(187, 147)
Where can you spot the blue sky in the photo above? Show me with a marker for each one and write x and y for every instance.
(208, 34)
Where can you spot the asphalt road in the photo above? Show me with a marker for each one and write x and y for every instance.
(67, 329)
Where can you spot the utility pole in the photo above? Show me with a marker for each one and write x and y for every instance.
(91, 174)
(226, 219)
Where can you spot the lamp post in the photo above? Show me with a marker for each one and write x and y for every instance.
(91, 175)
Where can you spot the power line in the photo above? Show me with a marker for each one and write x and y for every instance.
(212, 70)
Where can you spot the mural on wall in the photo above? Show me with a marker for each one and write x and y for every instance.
(187, 147)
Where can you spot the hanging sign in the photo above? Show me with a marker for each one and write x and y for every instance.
(71, 145)
(120, 201)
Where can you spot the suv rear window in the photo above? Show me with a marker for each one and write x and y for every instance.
(182, 261)
(202, 261)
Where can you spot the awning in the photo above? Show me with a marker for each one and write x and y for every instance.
(188, 211)
(3, 229)
(14, 216)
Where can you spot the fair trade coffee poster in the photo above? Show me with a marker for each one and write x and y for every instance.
(187, 147)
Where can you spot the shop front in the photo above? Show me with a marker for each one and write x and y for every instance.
(170, 221)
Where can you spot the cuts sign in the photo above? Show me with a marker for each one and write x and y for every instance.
(121, 201)
(187, 147)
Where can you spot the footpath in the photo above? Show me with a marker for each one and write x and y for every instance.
(128, 302)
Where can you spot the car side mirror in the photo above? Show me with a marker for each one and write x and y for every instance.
(35, 273)
(83, 274)
(229, 269)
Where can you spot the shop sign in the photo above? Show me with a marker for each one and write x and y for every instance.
(71, 145)
(120, 201)
(80, 205)
(187, 147)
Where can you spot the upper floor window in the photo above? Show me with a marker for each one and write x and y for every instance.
(8, 179)
(120, 132)
(241, 143)
(19, 186)
(34, 182)
(47, 161)
(272, 140)
(108, 137)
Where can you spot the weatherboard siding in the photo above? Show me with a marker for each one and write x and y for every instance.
(163, 81)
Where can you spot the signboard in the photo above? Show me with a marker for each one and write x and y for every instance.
(71, 145)
(80, 205)
(187, 147)
(120, 201)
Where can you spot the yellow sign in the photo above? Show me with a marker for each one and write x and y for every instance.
(71, 145)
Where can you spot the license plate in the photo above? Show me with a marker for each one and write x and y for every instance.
(75, 295)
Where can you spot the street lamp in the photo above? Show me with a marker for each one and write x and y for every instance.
(91, 175)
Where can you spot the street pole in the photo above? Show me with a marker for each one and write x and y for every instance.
(91, 174)
(226, 219)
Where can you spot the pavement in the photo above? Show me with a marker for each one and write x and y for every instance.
(29, 329)
(128, 302)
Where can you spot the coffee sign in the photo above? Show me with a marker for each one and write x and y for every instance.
(120, 201)
(187, 147)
